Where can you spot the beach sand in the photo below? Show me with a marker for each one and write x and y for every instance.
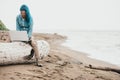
(61, 64)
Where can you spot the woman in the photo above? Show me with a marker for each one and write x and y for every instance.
(24, 22)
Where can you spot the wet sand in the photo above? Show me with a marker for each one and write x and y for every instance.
(61, 64)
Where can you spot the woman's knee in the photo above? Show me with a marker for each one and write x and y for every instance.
(33, 43)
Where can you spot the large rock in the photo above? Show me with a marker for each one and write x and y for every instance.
(4, 36)
(14, 53)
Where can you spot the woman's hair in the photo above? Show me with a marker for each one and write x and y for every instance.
(28, 15)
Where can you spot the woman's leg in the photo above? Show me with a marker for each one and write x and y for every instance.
(35, 48)
(36, 52)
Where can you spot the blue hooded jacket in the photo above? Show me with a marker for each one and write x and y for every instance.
(25, 24)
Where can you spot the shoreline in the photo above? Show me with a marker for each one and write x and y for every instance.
(84, 57)
(61, 64)
(99, 45)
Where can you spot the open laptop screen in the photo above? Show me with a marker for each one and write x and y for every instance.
(18, 36)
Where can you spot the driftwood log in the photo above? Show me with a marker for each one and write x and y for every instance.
(14, 52)
(103, 68)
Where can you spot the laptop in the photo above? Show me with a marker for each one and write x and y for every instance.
(18, 36)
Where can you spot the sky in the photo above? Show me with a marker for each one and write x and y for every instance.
(65, 14)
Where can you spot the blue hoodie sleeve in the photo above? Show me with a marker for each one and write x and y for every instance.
(30, 28)
(17, 24)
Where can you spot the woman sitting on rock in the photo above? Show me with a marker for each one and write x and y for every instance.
(24, 22)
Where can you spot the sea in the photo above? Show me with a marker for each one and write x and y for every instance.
(100, 45)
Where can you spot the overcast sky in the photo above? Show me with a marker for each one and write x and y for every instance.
(65, 14)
